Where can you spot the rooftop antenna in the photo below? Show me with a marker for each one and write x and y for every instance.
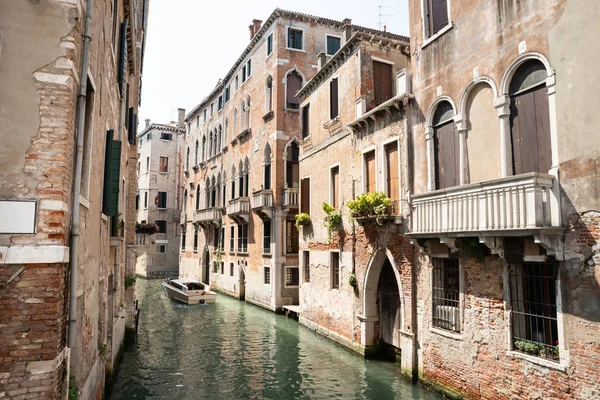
(379, 15)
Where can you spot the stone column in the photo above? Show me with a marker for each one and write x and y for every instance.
(430, 158)
(461, 126)
(277, 262)
(555, 215)
(502, 105)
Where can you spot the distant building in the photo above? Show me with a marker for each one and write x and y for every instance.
(67, 190)
(159, 183)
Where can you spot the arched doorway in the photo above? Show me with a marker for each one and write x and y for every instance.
(206, 270)
(388, 297)
(242, 282)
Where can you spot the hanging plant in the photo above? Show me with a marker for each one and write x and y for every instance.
(333, 219)
(146, 228)
(371, 205)
(302, 219)
(352, 281)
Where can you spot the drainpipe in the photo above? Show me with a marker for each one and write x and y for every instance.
(74, 239)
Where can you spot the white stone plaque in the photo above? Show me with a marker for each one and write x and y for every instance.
(17, 216)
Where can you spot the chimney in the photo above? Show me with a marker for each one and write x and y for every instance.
(254, 27)
(347, 21)
(321, 59)
(147, 122)
(385, 28)
(347, 33)
(180, 117)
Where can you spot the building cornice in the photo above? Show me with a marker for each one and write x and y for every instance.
(168, 128)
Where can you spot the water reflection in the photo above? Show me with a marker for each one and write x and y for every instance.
(232, 350)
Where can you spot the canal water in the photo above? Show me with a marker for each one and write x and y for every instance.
(233, 350)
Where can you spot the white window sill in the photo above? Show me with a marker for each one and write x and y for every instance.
(84, 202)
(445, 333)
(291, 286)
(300, 50)
(537, 360)
(437, 35)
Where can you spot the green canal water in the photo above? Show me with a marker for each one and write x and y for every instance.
(233, 350)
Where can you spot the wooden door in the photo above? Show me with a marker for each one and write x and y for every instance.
(390, 318)
(446, 156)
(370, 176)
(382, 82)
(335, 187)
(393, 180)
(305, 195)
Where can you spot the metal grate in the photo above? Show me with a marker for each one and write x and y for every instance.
(446, 307)
(292, 276)
(267, 275)
(533, 309)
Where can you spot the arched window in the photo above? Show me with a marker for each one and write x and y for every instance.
(197, 197)
(196, 154)
(218, 191)
(213, 193)
(241, 179)
(530, 119)
(187, 159)
(292, 172)
(203, 148)
(269, 94)
(207, 193)
(446, 151)
(233, 182)
(293, 82)
(267, 167)
(184, 205)
(246, 176)
(216, 148)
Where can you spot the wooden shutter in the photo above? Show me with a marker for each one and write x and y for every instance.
(335, 187)
(132, 128)
(446, 156)
(438, 15)
(333, 98)
(122, 67)
(305, 121)
(382, 82)
(112, 173)
(530, 131)
(370, 178)
(391, 161)
(305, 195)
(294, 83)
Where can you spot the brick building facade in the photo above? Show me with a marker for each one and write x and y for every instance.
(70, 79)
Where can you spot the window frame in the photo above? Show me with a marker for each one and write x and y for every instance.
(287, 37)
(290, 226)
(166, 225)
(427, 38)
(267, 235)
(291, 282)
(385, 169)
(332, 184)
(337, 80)
(165, 200)
(365, 171)
(270, 37)
(333, 285)
(232, 238)
(306, 266)
(160, 165)
(327, 35)
(443, 267)
(305, 121)
(267, 275)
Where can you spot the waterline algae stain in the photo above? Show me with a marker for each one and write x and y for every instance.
(232, 350)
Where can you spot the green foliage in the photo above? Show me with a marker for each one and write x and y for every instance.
(333, 218)
(528, 347)
(352, 281)
(472, 248)
(370, 204)
(129, 282)
(218, 256)
(102, 350)
(73, 392)
(302, 219)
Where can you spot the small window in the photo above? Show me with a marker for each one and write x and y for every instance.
(137, 202)
(335, 187)
(306, 265)
(236, 84)
(161, 248)
(147, 164)
(195, 240)
(243, 74)
(333, 44)
(212, 109)
(164, 164)
(197, 120)
(291, 238)
(183, 238)
(231, 269)
(222, 268)
(267, 237)
(269, 44)
(220, 103)
(295, 39)
(292, 276)
(161, 200)
(305, 122)
(436, 16)
(249, 68)
(222, 240)
(293, 85)
(370, 180)
(446, 310)
(305, 195)
(267, 275)
(162, 225)
(333, 98)
(145, 199)
(232, 239)
(227, 93)
(204, 115)
(335, 270)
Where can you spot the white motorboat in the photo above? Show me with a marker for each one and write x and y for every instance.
(189, 291)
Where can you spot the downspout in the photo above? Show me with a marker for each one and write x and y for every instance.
(74, 237)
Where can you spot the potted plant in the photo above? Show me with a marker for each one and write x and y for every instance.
(333, 218)
(302, 219)
(370, 205)
(146, 228)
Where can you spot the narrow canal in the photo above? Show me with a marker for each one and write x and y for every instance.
(233, 350)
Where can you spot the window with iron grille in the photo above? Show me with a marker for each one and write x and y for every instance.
(306, 263)
(267, 275)
(267, 237)
(446, 306)
(533, 309)
(335, 270)
(292, 276)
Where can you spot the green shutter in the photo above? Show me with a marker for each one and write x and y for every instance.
(112, 175)
(122, 67)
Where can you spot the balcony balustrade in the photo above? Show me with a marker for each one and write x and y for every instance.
(208, 216)
(239, 209)
(262, 203)
(291, 197)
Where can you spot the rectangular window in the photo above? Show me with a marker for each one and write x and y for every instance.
(306, 265)
(335, 187)
(195, 240)
(294, 39)
(382, 82)
(222, 268)
(164, 164)
(244, 74)
(137, 202)
(534, 309)
(216, 233)
(227, 93)
(147, 164)
(161, 248)
(391, 166)
(305, 195)
(204, 113)
(292, 276)
(183, 238)
(162, 200)
(162, 225)
(112, 174)
(436, 16)
(87, 140)
(249, 68)
(446, 306)
(305, 128)
(333, 98)
(236, 84)
(243, 238)
(166, 136)
(222, 239)
(335, 270)
(145, 199)
(333, 44)
(370, 180)
(220, 103)
(267, 237)
(197, 120)
(232, 239)
(269, 44)
(231, 269)
(291, 239)
(212, 109)
(267, 275)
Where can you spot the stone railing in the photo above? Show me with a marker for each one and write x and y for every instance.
(262, 199)
(511, 203)
(290, 197)
(207, 215)
(238, 206)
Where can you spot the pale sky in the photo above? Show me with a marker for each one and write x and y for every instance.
(193, 43)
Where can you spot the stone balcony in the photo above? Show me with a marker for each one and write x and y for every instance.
(239, 209)
(262, 203)
(520, 205)
(291, 198)
(208, 216)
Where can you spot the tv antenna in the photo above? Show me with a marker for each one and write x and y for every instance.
(379, 15)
